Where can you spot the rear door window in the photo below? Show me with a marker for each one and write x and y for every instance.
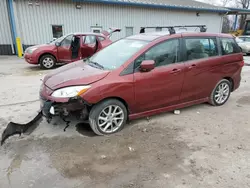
(199, 48)
(229, 46)
(90, 39)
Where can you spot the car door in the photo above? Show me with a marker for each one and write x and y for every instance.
(161, 86)
(64, 52)
(202, 67)
(89, 46)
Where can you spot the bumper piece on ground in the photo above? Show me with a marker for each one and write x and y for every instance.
(16, 128)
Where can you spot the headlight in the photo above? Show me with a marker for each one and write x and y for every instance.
(31, 50)
(72, 91)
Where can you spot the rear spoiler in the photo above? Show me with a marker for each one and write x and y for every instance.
(172, 30)
(110, 31)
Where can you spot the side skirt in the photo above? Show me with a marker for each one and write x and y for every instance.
(166, 109)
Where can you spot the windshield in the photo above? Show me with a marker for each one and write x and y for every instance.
(116, 54)
(59, 39)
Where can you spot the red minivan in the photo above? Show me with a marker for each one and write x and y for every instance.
(68, 48)
(143, 75)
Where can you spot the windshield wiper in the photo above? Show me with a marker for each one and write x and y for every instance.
(96, 64)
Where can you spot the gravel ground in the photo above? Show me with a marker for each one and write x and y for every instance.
(204, 146)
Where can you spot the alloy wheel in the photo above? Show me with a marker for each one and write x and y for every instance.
(222, 93)
(110, 119)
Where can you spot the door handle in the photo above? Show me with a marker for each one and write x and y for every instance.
(174, 71)
(192, 66)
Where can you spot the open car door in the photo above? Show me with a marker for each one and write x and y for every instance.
(110, 31)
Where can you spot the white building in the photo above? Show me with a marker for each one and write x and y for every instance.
(38, 21)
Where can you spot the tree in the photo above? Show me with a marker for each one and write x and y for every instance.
(226, 24)
(245, 5)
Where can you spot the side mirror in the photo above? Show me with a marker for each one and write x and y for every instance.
(57, 44)
(147, 65)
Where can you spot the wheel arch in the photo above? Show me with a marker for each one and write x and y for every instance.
(231, 81)
(117, 98)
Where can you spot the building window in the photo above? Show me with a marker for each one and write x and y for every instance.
(57, 31)
(129, 31)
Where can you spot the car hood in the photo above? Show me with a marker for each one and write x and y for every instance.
(41, 46)
(77, 73)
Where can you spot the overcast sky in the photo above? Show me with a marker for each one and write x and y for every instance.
(216, 2)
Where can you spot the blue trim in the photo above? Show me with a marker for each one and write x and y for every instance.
(160, 6)
(239, 9)
(235, 22)
(12, 22)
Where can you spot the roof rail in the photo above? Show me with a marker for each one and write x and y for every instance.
(172, 30)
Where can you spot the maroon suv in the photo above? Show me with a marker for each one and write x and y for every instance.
(143, 75)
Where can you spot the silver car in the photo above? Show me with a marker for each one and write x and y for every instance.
(244, 43)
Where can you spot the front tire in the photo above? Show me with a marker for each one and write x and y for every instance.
(221, 93)
(108, 117)
(47, 61)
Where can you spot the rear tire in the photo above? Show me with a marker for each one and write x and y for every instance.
(47, 61)
(108, 117)
(220, 93)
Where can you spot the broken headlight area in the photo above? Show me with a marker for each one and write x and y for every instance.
(75, 106)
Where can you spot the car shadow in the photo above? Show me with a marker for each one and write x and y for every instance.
(84, 129)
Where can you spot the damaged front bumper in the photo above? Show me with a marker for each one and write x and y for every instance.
(51, 108)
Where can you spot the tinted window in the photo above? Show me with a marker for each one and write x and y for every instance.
(198, 48)
(163, 54)
(116, 54)
(101, 38)
(229, 46)
(90, 39)
(67, 41)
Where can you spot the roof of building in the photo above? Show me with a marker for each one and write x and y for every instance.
(190, 5)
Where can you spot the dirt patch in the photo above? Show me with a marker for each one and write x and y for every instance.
(245, 100)
(132, 157)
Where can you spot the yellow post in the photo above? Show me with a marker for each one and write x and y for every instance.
(19, 47)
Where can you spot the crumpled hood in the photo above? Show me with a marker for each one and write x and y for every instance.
(77, 73)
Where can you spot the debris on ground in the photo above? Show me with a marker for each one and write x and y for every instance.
(16, 128)
(198, 112)
(177, 112)
(103, 156)
(144, 130)
(131, 149)
(239, 147)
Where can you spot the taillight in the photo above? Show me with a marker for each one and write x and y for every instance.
(242, 63)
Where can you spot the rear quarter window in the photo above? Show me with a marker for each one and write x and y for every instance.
(101, 38)
(229, 46)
